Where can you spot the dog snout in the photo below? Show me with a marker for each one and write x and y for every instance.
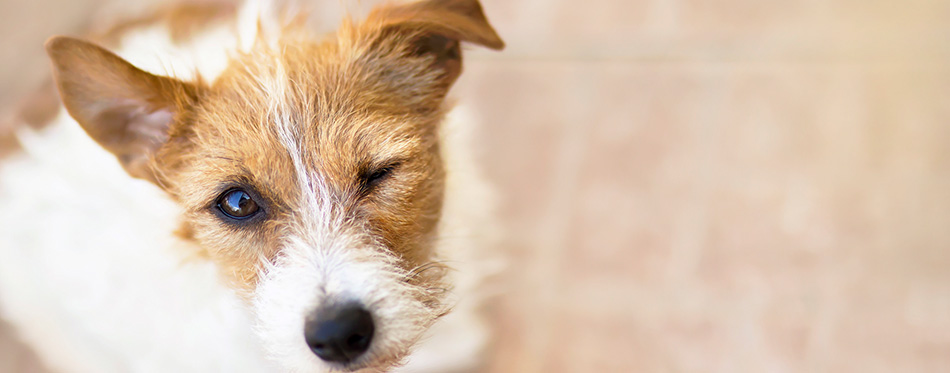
(340, 333)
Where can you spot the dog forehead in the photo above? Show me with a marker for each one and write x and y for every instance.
(271, 119)
(324, 92)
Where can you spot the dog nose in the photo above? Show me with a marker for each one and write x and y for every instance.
(340, 334)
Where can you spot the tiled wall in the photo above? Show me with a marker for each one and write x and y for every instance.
(721, 186)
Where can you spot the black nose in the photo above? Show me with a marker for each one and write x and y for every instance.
(339, 334)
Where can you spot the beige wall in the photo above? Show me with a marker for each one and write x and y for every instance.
(725, 186)
(733, 185)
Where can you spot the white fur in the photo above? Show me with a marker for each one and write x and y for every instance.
(332, 269)
(91, 275)
(467, 240)
(93, 279)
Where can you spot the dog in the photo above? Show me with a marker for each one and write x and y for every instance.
(235, 192)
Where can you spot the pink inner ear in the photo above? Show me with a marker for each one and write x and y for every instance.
(152, 126)
(132, 131)
(126, 110)
(124, 123)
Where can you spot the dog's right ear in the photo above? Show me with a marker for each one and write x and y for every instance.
(434, 29)
(126, 110)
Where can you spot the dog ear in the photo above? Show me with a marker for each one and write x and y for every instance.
(434, 29)
(129, 112)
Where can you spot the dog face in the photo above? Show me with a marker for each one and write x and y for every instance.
(309, 171)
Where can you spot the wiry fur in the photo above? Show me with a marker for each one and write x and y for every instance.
(299, 122)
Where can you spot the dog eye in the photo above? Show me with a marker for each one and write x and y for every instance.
(237, 204)
(374, 177)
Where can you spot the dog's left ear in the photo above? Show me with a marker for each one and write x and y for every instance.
(126, 110)
(434, 29)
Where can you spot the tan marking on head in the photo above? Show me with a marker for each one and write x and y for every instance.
(369, 100)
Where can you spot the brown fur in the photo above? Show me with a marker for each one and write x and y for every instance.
(370, 98)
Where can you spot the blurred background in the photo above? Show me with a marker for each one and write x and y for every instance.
(690, 185)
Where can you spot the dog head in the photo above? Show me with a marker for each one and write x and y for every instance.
(309, 171)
